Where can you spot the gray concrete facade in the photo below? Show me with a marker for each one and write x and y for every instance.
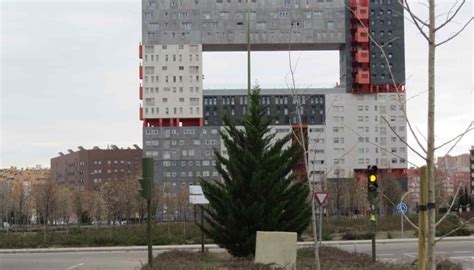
(181, 155)
(220, 25)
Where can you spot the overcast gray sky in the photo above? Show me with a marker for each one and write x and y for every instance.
(69, 77)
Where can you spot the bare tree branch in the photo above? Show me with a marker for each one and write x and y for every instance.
(458, 138)
(403, 140)
(450, 207)
(378, 145)
(422, 135)
(450, 18)
(463, 224)
(455, 34)
(417, 21)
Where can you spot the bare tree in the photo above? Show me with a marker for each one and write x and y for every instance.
(392, 189)
(98, 207)
(5, 201)
(64, 205)
(82, 200)
(429, 29)
(45, 195)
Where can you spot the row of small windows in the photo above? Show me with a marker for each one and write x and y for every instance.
(173, 110)
(166, 154)
(383, 130)
(168, 143)
(191, 174)
(381, 12)
(276, 119)
(190, 163)
(266, 100)
(151, 49)
(381, 22)
(99, 171)
(152, 90)
(278, 110)
(383, 161)
(185, 131)
(169, 79)
(109, 162)
(170, 58)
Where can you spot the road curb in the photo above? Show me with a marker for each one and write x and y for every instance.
(211, 246)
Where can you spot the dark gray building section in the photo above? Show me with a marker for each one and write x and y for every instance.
(279, 103)
(220, 25)
(387, 29)
(181, 154)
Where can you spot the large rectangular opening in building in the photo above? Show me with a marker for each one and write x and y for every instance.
(312, 69)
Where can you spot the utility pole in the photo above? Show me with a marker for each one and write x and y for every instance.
(249, 83)
(146, 191)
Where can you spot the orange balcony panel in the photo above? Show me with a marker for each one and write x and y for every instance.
(141, 113)
(362, 13)
(140, 51)
(363, 77)
(140, 92)
(362, 56)
(361, 35)
(141, 72)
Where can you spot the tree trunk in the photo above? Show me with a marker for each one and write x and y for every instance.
(431, 255)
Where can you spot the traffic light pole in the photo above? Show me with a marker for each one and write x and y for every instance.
(372, 192)
(148, 232)
(146, 191)
(373, 225)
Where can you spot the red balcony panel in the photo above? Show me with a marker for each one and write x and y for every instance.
(362, 56)
(363, 77)
(141, 113)
(140, 92)
(356, 3)
(362, 13)
(362, 34)
(141, 71)
(140, 51)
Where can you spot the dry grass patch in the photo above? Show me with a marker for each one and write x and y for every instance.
(331, 259)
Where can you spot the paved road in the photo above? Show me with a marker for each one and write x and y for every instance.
(461, 251)
(113, 260)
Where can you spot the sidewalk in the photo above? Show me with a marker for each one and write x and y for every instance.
(212, 246)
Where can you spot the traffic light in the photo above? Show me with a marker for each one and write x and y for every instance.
(146, 183)
(372, 182)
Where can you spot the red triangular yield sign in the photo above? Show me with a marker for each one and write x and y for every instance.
(321, 197)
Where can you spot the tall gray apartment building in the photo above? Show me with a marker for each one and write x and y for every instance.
(348, 127)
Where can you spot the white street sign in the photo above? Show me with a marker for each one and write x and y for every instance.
(196, 196)
(198, 199)
(195, 189)
(321, 197)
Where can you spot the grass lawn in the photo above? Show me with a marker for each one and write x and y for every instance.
(331, 258)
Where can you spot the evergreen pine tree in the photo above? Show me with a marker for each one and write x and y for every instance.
(258, 191)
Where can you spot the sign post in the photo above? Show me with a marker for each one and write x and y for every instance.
(196, 197)
(402, 208)
(321, 197)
